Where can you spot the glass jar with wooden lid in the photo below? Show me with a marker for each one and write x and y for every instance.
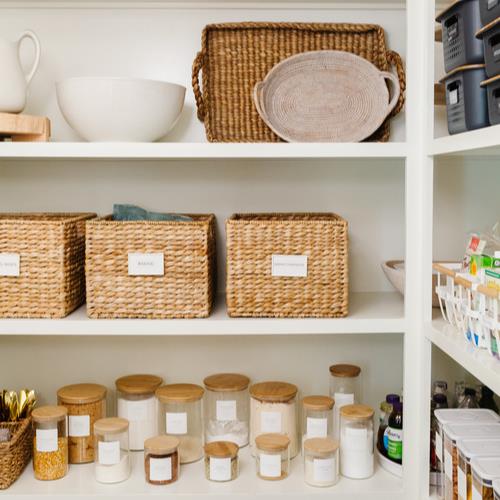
(180, 416)
(321, 461)
(221, 461)
(161, 460)
(135, 401)
(50, 442)
(273, 410)
(356, 441)
(317, 417)
(226, 408)
(272, 456)
(86, 403)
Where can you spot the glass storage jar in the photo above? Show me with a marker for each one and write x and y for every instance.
(50, 443)
(273, 410)
(226, 408)
(161, 460)
(272, 456)
(86, 403)
(344, 389)
(112, 452)
(221, 461)
(485, 470)
(317, 417)
(356, 441)
(180, 416)
(136, 402)
(321, 461)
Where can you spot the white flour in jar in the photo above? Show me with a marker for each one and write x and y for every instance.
(356, 452)
(142, 417)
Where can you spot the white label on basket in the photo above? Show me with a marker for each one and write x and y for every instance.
(9, 264)
(289, 265)
(109, 452)
(177, 423)
(269, 465)
(79, 425)
(46, 440)
(324, 469)
(145, 264)
(453, 96)
(476, 495)
(220, 469)
(492, 3)
(270, 422)
(462, 484)
(160, 469)
(439, 447)
(316, 427)
(448, 465)
(225, 410)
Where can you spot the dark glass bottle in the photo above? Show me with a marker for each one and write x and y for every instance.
(487, 400)
(394, 433)
(387, 406)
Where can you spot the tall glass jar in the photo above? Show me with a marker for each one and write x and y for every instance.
(226, 408)
(136, 402)
(221, 461)
(272, 456)
(317, 417)
(485, 470)
(344, 389)
(50, 443)
(112, 452)
(273, 410)
(86, 403)
(180, 416)
(321, 461)
(356, 441)
(161, 460)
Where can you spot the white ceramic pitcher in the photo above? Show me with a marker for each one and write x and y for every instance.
(13, 82)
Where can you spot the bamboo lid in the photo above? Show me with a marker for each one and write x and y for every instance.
(318, 403)
(357, 412)
(221, 449)
(323, 446)
(81, 393)
(138, 384)
(49, 413)
(226, 382)
(272, 442)
(111, 425)
(179, 393)
(346, 371)
(275, 392)
(160, 445)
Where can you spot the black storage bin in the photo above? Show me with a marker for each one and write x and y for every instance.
(460, 22)
(490, 35)
(490, 10)
(492, 87)
(466, 99)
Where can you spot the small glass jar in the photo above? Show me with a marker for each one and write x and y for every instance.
(226, 408)
(272, 456)
(136, 402)
(317, 417)
(356, 441)
(344, 389)
(180, 416)
(321, 461)
(112, 452)
(221, 461)
(273, 410)
(50, 444)
(161, 460)
(86, 403)
(485, 470)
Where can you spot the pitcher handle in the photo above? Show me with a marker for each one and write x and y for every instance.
(36, 42)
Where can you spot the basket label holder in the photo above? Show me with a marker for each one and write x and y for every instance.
(145, 264)
(289, 265)
(10, 264)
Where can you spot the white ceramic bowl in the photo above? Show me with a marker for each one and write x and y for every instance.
(120, 109)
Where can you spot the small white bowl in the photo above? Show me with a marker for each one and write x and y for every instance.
(120, 109)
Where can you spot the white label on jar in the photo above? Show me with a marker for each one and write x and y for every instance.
(448, 464)
(341, 399)
(79, 425)
(46, 440)
(462, 484)
(289, 265)
(316, 427)
(9, 264)
(137, 411)
(269, 465)
(160, 469)
(225, 411)
(270, 422)
(476, 495)
(220, 469)
(109, 452)
(439, 447)
(176, 423)
(324, 469)
(145, 264)
(357, 439)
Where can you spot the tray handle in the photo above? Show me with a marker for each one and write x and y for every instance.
(395, 60)
(396, 92)
(195, 81)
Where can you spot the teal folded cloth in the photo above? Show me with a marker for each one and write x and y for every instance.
(133, 212)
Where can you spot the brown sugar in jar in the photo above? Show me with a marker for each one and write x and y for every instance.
(161, 460)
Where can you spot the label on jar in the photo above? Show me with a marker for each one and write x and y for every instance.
(176, 423)
(462, 484)
(9, 264)
(79, 425)
(316, 427)
(269, 465)
(341, 399)
(160, 469)
(46, 440)
(448, 465)
(220, 469)
(270, 422)
(145, 264)
(476, 495)
(225, 411)
(109, 452)
(289, 265)
(324, 470)
(439, 446)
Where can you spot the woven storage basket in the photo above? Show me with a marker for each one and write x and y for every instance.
(51, 249)
(253, 239)
(187, 287)
(235, 56)
(16, 453)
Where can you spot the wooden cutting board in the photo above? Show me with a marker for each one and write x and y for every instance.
(24, 128)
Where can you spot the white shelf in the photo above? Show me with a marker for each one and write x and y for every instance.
(481, 142)
(193, 485)
(369, 313)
